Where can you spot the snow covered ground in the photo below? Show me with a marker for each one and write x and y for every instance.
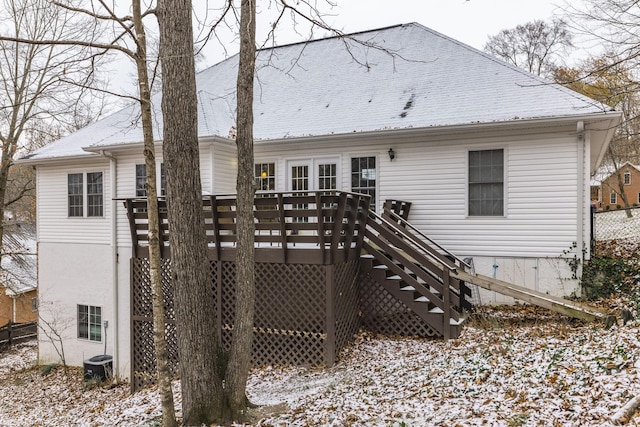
(512, 366)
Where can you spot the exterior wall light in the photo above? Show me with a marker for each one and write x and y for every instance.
(392, 155)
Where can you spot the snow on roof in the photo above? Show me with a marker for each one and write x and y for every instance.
(18, 272)
(406, 76)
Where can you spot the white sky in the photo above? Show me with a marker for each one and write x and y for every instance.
(469, 21)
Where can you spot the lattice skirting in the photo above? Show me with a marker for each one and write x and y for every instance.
(305, 314)
(382, 313)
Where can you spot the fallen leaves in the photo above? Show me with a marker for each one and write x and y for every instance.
(519, 366)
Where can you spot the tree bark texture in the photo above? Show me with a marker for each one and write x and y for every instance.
(198, 344)
(240, 354)
(155, 262)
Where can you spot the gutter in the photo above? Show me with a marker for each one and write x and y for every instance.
(113, 170)
(582, 158)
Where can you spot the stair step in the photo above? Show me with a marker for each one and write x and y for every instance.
(367, 256)
(408, 288)
(381, 267)
(396, 277)
(436, 310)
(453, 322)
(422, 299)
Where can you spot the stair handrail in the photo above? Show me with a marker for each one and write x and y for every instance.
(439, 261)
(425, 237)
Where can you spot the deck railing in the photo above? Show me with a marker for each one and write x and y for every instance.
(319, 227)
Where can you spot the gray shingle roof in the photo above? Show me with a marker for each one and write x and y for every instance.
(406, 76)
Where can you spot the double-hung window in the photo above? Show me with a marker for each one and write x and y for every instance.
(85, 194)
(265, 176)
(141, 180)
(486, 183)
(363, 177)
(89, 322)
(627, 178)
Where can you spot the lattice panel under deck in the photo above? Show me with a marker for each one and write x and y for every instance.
(290, 319)
(346, 303)
(382, 313)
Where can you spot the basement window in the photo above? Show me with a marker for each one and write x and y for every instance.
(89, 322)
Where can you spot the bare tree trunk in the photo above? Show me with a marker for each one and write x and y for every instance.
(155, 264)
(240, 355)
(198, 344)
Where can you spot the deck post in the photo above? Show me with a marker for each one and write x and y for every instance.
(446, 300)
(330, 341)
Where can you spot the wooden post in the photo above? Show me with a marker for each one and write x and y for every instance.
(330, 343)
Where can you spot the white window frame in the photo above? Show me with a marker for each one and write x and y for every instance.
(88, 320)
(260, 181)
(505, 157)
(313, 164)
(85, 194)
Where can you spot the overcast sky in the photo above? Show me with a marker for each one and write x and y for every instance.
(469, 21)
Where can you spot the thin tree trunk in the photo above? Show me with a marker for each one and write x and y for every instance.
(240, 355)
(198, 344)
(155, 264)
(620, 190)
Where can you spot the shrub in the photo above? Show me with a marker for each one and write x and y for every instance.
(604, 277)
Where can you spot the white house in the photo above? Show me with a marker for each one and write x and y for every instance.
(495, 161)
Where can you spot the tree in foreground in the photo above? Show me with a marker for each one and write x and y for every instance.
(198, 344)
(240, 353)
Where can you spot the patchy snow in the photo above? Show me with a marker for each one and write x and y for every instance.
(512, 366)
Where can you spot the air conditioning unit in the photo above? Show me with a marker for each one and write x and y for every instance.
(98, 368)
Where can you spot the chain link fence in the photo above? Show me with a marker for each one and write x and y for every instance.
(616, 233)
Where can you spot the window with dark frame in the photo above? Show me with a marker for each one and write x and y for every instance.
(141, 180)
(363, 177)
(486, 183)
(627, 178)
(89, 322)
(613, 199)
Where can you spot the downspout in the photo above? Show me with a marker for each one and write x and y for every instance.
(581, 198)
(114, 258)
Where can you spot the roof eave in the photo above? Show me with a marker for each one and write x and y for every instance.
(612, 116)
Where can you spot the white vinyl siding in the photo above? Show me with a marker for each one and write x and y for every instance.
(225, 169)
(53, 220)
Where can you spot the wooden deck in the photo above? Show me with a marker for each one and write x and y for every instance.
(295, 227)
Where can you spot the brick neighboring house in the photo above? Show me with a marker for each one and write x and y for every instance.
(610, 196)
(18, 290)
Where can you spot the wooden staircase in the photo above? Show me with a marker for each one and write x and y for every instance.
(416, 272)
(432, 282)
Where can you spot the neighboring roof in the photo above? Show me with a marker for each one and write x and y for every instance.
(19, 263)
(400, 77)
(607, 171)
